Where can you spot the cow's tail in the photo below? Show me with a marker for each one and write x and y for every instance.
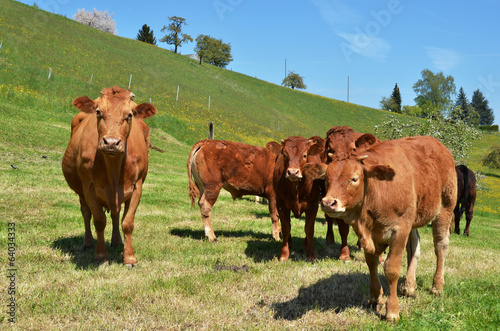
(193, 189)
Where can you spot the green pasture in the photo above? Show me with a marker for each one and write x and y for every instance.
(182, 281)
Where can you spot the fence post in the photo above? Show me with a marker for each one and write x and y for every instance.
(90, 82)
(1, 43)
(211, 130)
(130, 82)
(50, 73)
(177, 97)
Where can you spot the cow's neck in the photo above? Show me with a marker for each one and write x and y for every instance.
(115, 165)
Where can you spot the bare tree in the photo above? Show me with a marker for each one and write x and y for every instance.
(96, 19)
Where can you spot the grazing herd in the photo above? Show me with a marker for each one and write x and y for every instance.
(384, 190)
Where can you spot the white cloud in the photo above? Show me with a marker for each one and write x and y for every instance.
(443, 59)
(365, 45)
(335, 12)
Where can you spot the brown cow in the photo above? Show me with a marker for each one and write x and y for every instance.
(239, 168)
(466, 197)
(106, 163)
(383, 192)
(295, 192)
(340, 143)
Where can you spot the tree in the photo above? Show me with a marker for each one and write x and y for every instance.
(492, 159)
(456, 136)
(175, 37)
(480, 104)
(396, 97)
(96, 19)
(213, 51)
(463, 110)
(146, 34)
(434, 92)
(294, 80)
(393, 103)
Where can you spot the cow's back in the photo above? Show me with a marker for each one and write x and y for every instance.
(424, 180)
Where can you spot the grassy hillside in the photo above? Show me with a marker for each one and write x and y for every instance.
(243, 108)
(183, 281)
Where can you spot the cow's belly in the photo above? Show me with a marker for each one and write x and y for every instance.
(113, 198)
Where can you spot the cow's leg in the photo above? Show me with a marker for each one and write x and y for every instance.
(412, 253)
(309, 230)
(286, 227)
(441, 237)
(128, 224)
(330, 238)
(376, 291)
(273, 211)
(116, 238)
(392, 270)
(88, 240)
(208, 197)
(469, 211)
(344, 232)
(457, 217)
(101, 253)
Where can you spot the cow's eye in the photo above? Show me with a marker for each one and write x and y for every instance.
(98, 113)
(129, 117)
(305, 156)
(354, 179)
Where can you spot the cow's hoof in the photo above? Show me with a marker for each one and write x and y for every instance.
(392, 318)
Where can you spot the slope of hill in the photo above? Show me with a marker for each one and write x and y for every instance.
(243, 108)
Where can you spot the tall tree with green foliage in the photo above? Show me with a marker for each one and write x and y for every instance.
(213, 51)
(294, 80)
(394, 102)
(175, 36)
(146, 34)
(434, 93)
(396, 97)
(480, 104)
(463, 110)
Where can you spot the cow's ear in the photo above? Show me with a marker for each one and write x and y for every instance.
(316, 145)
(274, 147)
(85, 104)
(144, 110)
(315, 171)
(366, 140)
(381, 172)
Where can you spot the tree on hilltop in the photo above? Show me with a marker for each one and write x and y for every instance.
(213, 51)
(463, 110)
(294, 80)
(394, 102)
(96, 19)
(434, 93)
(480, 104)
(175, 36)
(146, 34)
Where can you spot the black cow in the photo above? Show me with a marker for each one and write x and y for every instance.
(466, 197)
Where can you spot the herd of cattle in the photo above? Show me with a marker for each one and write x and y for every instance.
(384, 190)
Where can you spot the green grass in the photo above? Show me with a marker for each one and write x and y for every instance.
(183, 281)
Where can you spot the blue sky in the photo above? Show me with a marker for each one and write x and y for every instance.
(376, 43)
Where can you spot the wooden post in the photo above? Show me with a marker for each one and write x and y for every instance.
(130, 82)
(50, 73)
(211, 130)
(177, 97)
(90, 82)
(1, 43)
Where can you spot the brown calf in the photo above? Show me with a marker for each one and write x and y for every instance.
(383, 192)
(295, 192)
(238, 168)
(106, 163)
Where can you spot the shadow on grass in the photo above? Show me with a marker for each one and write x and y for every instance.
(339, 292)
(84, 258)
(200, 234)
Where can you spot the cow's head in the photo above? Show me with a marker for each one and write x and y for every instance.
(297, 151)
(114, 110)
(345, 181)
(342, 141)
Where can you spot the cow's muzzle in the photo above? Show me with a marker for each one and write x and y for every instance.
(111, 145)
(332, 205)
(293, 174)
